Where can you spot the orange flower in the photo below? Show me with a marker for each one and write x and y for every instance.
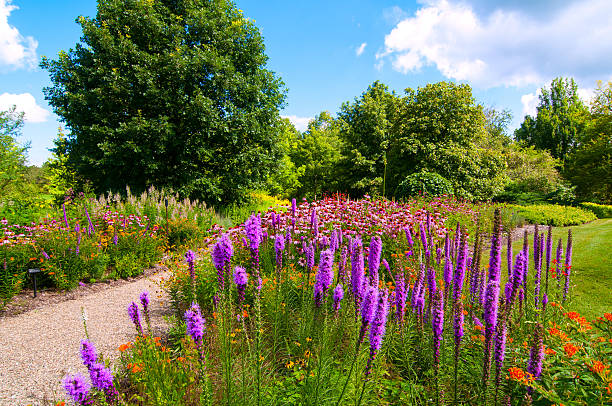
(597, 367)
(572, 315)
(609, 388)
(136, 368)
(550, 351)
(553, 331)
(180, 359)
(516, 374)
(124, 347)
(61, 403)
(245, 314)
(570, 349)
(479, 328)
(608, 316)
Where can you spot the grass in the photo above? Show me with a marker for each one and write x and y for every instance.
(591, 281)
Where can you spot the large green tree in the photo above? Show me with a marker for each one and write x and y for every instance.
(590, 165)
(441, 129)
(560, 121)
(316, 157)
(366, 129)
(168, 92)
(12, 155)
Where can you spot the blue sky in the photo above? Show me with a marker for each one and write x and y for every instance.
(328, 52)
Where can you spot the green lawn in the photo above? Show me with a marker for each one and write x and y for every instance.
(591, 280)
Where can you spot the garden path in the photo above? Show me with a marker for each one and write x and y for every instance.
(38, 348)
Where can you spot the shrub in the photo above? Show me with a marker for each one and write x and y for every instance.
(182, 231)
(555, 215)
(602, 211)
(428, 183)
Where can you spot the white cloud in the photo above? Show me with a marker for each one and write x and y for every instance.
(15, 50)
(505, 47)
(394, 15)
(300, 123)
(361, 48)
(530, 103)
(26, 103)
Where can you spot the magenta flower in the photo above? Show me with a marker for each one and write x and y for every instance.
(400, 297)
(88, 353)
(357, 270)
(378, 327)
(437, 324)
(190, 258)
(221, 255)
(374, 259)
(279, 246)
(240, 279)
(135, 316)
(338, 296)
(368, 309)
(195, 323)
(324, 276)
(77, 388)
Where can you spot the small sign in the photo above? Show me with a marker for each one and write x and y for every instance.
(31, 271)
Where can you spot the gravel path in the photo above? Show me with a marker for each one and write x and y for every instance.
(39, 347)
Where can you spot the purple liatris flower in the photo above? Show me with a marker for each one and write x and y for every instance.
(342, 266)
(374, 259)
(222, 255)
(438, 255)
(90, 228)
(254, 234)
(115, 239)
(423, 236)
(378, 327)
(495, 257)
(536, 355)
(409, 236)
(558, 261)
(544, 301)
(368, 308)
(293, 207)
(101, 377)
(500, 350)
(458, 326)
(338, 296)
(431, 282)
(333, 245)
(324, 276)
(195, 323)
(460, 270)
(310, 257)
(448, 271)
(135, 316)
(437, 324)
(279, 246)
(65, 217)
(568, 264)
(400, 297)
(190, 258)
(88, 353)
(357, 269)
(240, 279)
(386, 265)
(490, 319)
(77, 388)
(144, 300)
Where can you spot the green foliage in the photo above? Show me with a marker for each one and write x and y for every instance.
(602, 211)
(316, 156)
(182, 232)
(560, 120)
(426, 183)
(285, 180)
(590, 165)
(439, 129)
(178, 89)
(553, 215)
(12, 155)
(258, 201)
(366, 132)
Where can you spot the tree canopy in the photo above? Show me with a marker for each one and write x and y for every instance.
(173, 93)
(12, 155)
(560, 121)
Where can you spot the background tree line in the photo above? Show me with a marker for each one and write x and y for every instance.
(176, 94)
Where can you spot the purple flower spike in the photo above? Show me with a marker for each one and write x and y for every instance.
(279, 246)
(101, 377)
(88, 353)
(293, 207)
(240, 279)
(378, 327)
(195, 323)
(190, 258)
(357, 269)
(409, 236)
(460, 271)
(437, 323)
(374, 259)
(368, 308)
(222, 255)
(338, 296)
(77, 388)
(135, 316)
(144, 299)
(495, 258)
(254, 234)
(423, 236)
(400, 296)
(568, 264)
(324, 276)
(536, 355)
